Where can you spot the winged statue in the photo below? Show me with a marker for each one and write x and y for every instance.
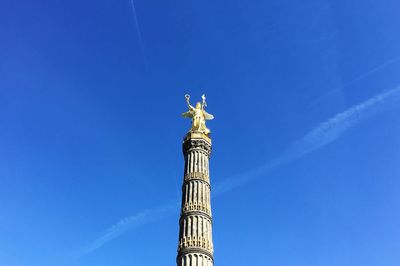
(198, 115)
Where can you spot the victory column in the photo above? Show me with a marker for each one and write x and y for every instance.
(195, 246)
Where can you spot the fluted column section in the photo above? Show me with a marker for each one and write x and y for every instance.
(195, 246)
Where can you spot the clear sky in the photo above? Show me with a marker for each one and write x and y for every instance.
(306, 150)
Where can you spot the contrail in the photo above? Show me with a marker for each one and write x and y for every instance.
(358, 78)
(318, 137)
(129, 223)
(375, 69)
(334, 127)
(139, 33)
(321, 135)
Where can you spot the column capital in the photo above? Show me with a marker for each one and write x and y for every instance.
(196, 140)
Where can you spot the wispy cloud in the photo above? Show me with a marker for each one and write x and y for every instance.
(323, 134)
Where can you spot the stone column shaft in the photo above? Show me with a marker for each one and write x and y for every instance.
(195, 246)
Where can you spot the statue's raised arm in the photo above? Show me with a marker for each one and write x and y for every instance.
(190, 112)
(198, 115)
(187, 97)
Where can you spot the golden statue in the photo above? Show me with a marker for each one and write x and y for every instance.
(198, 115)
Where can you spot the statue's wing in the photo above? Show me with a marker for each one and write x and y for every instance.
(188, 114)
(208, 116)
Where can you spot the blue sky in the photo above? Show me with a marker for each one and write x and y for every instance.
(306, 149)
